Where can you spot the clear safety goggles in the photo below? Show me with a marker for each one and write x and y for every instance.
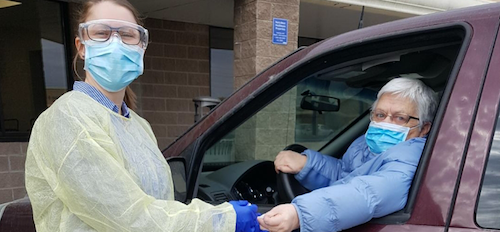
(101, 30)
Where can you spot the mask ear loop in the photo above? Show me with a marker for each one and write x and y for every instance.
(413, 127)
(420, 126)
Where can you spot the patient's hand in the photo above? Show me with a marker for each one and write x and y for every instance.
(282, 218)
(289, 162)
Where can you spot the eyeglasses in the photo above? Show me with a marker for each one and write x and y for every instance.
(398, 119)
(102, 29)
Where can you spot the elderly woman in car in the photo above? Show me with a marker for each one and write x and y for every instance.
(372, 178)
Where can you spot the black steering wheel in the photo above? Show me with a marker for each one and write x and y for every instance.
(288, 186)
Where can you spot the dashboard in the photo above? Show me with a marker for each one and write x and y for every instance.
(254, 181)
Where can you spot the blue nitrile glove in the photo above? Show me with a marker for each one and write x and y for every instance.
(246, 216)
(258, 225)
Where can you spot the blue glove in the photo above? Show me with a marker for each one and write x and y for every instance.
(246, 216)
(258, 225)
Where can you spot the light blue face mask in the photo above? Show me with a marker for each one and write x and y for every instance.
(113, 65)
(380, 136)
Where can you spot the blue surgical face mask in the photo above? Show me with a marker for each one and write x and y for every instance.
(380, 136)
(113, 65)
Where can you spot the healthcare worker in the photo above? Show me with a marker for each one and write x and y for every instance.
(93, 164)
(372, 178)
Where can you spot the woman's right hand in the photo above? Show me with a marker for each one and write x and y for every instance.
(289, 162)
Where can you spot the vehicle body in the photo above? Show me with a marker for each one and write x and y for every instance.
(456, 186)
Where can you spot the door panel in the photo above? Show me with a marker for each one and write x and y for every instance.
(396, 228)
(469, 230)
(453, 134)
(479, 151)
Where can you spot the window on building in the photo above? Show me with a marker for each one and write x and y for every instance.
(33, 64)
(488, 207)
(221, 62)
(305, 41)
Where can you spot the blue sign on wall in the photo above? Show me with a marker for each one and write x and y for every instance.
(280, 31)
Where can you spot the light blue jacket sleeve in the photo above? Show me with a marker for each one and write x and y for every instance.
(322, 171)
(359, 197)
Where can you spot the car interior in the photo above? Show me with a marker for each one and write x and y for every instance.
(324, 105)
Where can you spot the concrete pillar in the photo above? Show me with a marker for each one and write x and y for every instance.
(253, 47)
(266, 133)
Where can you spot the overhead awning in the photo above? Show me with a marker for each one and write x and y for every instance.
(6, 3)
(415, 7)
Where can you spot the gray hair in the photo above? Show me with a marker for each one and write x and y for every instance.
(422, 95)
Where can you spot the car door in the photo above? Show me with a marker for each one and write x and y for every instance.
(458, 144)
(477, 205)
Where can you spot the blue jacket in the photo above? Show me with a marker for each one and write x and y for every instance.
(360, 186)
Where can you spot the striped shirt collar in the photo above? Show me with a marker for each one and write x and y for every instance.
(95, 94)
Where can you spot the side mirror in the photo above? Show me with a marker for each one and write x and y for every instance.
(311, 101)
(178, 169)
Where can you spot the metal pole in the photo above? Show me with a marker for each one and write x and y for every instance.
(360, 24)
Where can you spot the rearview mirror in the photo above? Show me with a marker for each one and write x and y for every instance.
(320, 103)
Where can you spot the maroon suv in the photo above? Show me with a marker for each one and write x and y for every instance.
(320, 97)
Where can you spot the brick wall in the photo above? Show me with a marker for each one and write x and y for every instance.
(176, 70)
(12, 158)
